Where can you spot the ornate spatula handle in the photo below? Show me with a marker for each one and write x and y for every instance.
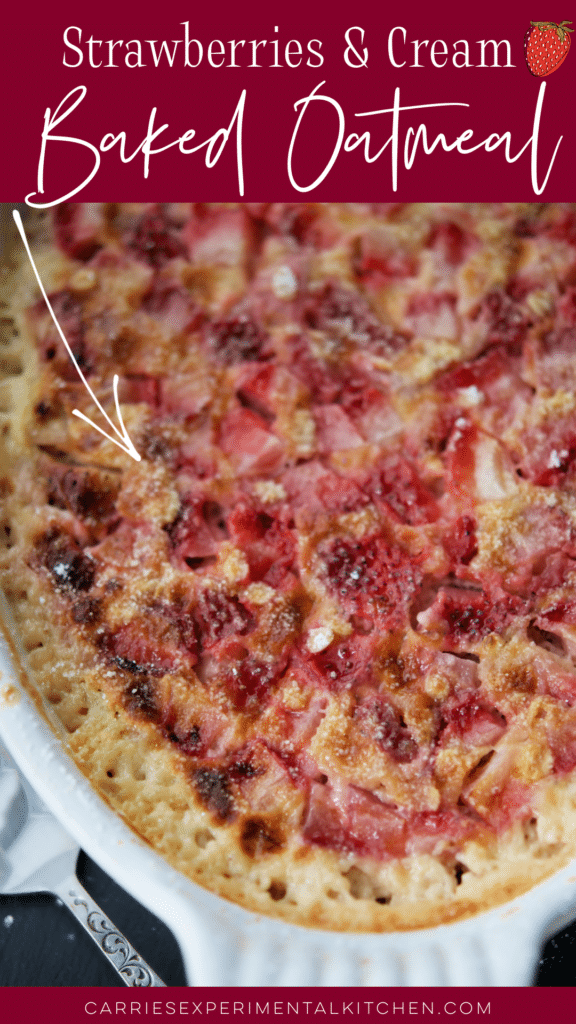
(133, 970)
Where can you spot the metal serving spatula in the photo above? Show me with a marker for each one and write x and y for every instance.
(38, 855)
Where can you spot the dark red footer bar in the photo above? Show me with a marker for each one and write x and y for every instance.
(289, 1005)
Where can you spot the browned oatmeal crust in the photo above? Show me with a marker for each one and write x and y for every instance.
(318, 646)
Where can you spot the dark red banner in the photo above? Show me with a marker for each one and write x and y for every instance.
(319, 99)
(288, 1005)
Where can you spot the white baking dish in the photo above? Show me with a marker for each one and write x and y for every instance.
(222, 944)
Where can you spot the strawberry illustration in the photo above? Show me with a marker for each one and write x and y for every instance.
(546, 45)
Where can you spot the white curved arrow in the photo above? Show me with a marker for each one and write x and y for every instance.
(125, 442)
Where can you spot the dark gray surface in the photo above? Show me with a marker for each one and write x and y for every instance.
(43, 944)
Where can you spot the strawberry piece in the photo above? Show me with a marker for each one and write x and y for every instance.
(79, 229)
(345, 663)
(397, 486)
(432, 315)
(249, 682)
(246, 439)
(381, 721)
(237, 340)
(372, 579)
(485, 371)
(151, 644)
(380, 260)
(352, 820)
(504, 321)
(344, 314)
(258, 390)
(313, 488)
(469, 718)
(430, 828)
(68, 311)
(337, 493)
(460, 543)
(550, 459)
(197, 529)
(218, 615)
(218, 237)
(546, 46)
(334, 430)
(469, 615)
(140, 387)
(450, 242)
(154, 240)
(319, 377)
(268, 547)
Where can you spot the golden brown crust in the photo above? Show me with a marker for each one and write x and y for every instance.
(124, 607)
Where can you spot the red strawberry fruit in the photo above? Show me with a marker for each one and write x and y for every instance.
(546, 45)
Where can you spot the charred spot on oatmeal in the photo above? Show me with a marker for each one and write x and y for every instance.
(87, 611)
(56, 453)
(243, 770)
(188, 743)
(213, 789)
(89, 495)
(277, 890)
(45, 411)
(128, 665)
(260, 837)
(68, 310)
(69, 568)
(140, 699)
